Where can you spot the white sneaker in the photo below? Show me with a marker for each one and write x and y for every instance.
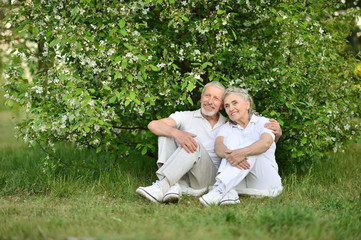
(212, 198)
(231, 197)
(153, 192)
(174, 194)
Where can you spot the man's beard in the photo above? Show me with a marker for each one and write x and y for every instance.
(206, 113)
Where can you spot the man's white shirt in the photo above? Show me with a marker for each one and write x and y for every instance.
(194, 122)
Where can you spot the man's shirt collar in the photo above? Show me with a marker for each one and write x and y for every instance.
(198, 113)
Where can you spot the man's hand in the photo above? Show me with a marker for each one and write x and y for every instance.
(186, 140)
(237, 158)
(275, 127)
(166, 127)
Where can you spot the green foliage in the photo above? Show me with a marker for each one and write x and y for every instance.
(103, 69)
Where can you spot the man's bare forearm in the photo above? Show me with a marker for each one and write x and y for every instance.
(161, 128)
(166, 127)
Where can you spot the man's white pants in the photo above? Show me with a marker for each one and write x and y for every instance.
(174, 163)
(261, 179)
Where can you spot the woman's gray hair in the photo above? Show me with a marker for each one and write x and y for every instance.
(215, 84)
(243, 93)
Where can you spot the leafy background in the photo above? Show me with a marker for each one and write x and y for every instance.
(99, 71)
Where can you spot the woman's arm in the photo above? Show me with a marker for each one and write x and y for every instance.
(219, 147)
(235, 157)
(275, 127)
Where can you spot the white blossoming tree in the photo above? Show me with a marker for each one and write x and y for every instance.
(101, 70)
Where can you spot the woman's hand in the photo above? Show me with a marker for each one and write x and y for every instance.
(237, 158)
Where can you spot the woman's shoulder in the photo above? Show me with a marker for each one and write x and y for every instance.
(259, 119)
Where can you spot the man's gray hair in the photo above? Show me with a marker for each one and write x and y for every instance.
(215, 84)
(243, 93)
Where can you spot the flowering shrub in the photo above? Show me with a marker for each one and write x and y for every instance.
(103, 69)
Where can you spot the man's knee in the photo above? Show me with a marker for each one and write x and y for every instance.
(168, 141)
(166, 148)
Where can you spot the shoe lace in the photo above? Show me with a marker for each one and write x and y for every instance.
(217, 190)
(157, 184)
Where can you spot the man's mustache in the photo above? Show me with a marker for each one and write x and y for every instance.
(209, 105)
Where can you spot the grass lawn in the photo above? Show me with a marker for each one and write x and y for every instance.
(98, 202)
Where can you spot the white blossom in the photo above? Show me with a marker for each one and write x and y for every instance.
(38, 89)
(161, 65)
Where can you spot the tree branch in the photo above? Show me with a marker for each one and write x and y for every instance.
(9, 39)
(130, 128)
(10, 5)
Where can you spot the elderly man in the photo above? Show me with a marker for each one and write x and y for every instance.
(186, 148)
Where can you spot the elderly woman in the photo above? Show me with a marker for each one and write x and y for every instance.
(247, 150)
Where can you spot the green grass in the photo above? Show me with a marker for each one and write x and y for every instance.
(99, 201)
